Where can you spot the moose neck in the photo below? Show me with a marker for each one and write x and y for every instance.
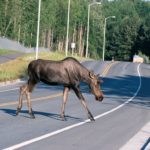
(85, 76)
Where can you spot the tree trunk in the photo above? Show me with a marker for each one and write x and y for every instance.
(10, 21)
(60, 44)
(52, 39)
(19, 33)
(6, 6)
(15, 24)
(30, 40)
(73, 40)
(43, 39)
(5, 20)
(48, 39)
(80, 40)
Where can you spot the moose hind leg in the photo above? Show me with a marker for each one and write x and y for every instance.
(23, 89)
(65, 97)
(28, 97)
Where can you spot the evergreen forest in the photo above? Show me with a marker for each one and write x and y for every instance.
(126, 34)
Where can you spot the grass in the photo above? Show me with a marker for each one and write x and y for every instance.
(13, 70)
(17, 68)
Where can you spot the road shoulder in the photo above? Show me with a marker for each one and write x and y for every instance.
(140, 141)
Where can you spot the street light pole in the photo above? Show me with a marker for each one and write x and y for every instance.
(66, 49)
(87, 43)
(104, 39)
(87, 40)
(38, 26)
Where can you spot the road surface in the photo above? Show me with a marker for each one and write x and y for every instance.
(123, 113)
(7, 57)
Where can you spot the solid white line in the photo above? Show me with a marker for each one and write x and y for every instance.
(9, 90)
(77, 124)
(137, 141)
(8, 83)
(46, 135)
(126, 102)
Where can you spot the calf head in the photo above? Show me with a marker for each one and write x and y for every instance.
(95, 86)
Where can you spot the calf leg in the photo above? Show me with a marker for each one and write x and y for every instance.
(26, 89)
(31, 85)
(83, 102)
(23, 88)
(28, 96)
(65, 97)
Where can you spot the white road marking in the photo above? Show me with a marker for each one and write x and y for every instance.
(9, 90)
(137, 142)
(8, 83)
(77, 124)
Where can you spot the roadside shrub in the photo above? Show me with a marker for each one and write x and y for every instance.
(146, 58)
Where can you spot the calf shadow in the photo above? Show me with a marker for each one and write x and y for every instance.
(24, 113)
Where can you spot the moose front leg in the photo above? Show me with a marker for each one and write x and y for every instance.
(65, 97)
(90, 116)
(83, 102)
(31, 85)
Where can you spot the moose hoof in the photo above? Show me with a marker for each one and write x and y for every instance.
(17, 111)
(16, 114)
(32, 116)
(63, 118)
(92, 119)
(90, 116)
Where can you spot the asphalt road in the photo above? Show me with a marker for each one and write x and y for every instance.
(124, 111)
(7, 57)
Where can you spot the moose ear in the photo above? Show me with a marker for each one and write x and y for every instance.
(91, 75)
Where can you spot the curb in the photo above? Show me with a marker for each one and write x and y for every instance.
(140, 141)
(5, 83)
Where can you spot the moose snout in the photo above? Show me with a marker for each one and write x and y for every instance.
(99, 97)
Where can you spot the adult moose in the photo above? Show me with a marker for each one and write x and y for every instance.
(69, 73)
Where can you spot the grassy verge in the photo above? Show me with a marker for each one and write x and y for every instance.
(17, 68)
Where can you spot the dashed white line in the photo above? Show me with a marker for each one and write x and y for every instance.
(77, 124)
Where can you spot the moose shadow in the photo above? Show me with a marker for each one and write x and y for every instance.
(126, 87)
(55, 116)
